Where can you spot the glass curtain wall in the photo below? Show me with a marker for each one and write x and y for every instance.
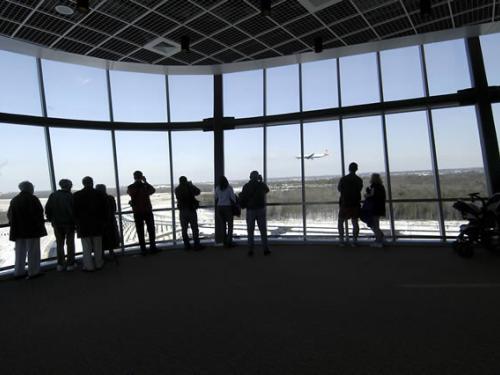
(301, 162)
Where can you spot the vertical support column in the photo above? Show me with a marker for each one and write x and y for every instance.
(115, 160)
(484, 112)
(218, 146)
(48, 144)
(386, 151)
(432, 142)
(341, 132)
(264, 127)
(302, 166)
(171, 165)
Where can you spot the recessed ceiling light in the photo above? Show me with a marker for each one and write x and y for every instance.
(64, 10)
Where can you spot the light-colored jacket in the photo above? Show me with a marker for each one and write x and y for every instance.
(225, 197)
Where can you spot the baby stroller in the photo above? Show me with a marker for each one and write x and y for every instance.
(483, 227)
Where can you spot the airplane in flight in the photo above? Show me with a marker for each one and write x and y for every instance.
(314, 156)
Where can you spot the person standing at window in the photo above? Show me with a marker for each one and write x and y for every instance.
(253, 198)
(187, 204)
(59, 211)
(375, 200)
(90, 217)
(111, 237)
(27, 226)
(350, 187)
(225, 200)
(140, 192)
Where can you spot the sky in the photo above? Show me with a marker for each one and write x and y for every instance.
(79, 92)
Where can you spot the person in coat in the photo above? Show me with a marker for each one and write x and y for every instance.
(25, 215)
(186, 194)
(349, 187)
(375, 199)
(59, 211)
(225, 199)
(90, 217)
(111, 236)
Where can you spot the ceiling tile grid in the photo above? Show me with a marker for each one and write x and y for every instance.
(224, 31)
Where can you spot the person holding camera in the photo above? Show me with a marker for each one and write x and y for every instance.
(186, 193)
(140, 192)
(227, 207)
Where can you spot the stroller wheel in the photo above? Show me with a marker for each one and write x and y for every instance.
(464, 249)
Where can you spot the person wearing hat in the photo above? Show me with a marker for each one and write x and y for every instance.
(59, 211)
(27, 226)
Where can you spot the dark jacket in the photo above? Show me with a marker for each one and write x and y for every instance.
(253, 195)
(350, 187)
(90, 212)
(111, 236)
(26, 217)
(139, 197)
(59, 208)
(376, 199)
(185, 195)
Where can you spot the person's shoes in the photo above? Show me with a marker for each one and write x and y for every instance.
(154, 250)
(342, 243)
(60, 268)
(250, 253)
(377, 244)
(71, 267)
(267, 252)
(353, 243)
(144, 253)
(198, 247)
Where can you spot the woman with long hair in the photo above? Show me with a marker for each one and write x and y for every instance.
(225, 200)
(375, 196)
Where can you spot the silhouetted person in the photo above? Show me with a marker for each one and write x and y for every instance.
(26, 221)
(187, 204)
(350, 187)
(59, 211)
(253, 198)
(225, 199)
(111, 236)
(375, 200)
(90, 217)
(140, 192)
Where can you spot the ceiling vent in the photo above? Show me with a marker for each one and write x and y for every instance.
(163, 46)
(315, 5)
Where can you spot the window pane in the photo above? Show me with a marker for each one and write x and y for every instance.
(75, 91)
(359, 79)
(191, 97)
(322, 161)
(282, 89)
(490, 44)
(243, 149)
(285, 221)
(401, 73)
(79, 153)
(19, 92)
(458, 152)
(319, 85)
(414, 219)
(363, 144)
(243, 94)
(410, 156)
(321, 220)
(283, 164)
(138, 97)
(153, 146)
(17, 164)
(447, 67)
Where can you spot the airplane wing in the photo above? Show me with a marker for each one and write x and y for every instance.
(310, 156)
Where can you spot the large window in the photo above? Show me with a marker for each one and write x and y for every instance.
(23, 157)
(490, 44)
(19, 91)
(447, 67)
(191, 97)
(401, 73)
(359, 79)
(138, 97)
(75, 91)
(79, 153)
(282, 89)
(244, 94)
(319, 85)
(458, 152)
